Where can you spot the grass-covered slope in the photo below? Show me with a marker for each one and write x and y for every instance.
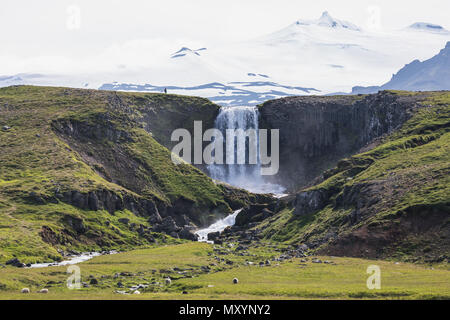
(75, 162)
(391, 201)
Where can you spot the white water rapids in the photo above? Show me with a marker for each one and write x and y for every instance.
(73, 260)
(218, 226)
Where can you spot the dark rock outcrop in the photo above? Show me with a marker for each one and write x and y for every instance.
(254, 213)
(75, 223)
(15, 263)
(310, 201)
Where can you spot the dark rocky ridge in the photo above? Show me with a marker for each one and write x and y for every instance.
(316, 132)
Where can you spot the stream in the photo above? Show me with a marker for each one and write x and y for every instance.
(72, 260)
(217, 226)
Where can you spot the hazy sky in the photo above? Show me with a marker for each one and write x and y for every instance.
(81, 28)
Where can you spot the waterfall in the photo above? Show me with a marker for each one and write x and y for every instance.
(246, 175)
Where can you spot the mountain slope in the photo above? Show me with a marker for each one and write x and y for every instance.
(82, 170)
(431, 74)
(389, 200)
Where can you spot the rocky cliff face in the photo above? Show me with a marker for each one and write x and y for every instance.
(315, 132)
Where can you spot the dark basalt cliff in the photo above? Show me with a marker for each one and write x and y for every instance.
(316, 132)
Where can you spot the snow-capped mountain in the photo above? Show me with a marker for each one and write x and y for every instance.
(240, 93)
(318, 56)
(183, 52)
(326, 20)
(428, 27)
(432, 74)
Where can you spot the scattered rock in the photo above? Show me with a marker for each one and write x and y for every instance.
(15, 263)
(93, 281)
(137, 292)
(213, 236)
(168, 281)
(6, 128)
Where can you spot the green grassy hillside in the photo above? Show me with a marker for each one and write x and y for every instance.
(390, 200)
(75, 162)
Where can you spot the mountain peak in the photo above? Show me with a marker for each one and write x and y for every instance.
(428, 27)
(325, 14)
(187, 51)
(326, 20)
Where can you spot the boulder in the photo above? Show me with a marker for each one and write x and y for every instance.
(168, 226)
(124, 220)
(187, 234)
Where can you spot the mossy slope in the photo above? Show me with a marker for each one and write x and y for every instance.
(393, 200)
(66, 148)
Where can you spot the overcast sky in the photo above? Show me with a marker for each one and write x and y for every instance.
(80, 28)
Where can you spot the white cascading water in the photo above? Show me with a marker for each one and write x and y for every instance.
(246, 176)
(218, 226)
